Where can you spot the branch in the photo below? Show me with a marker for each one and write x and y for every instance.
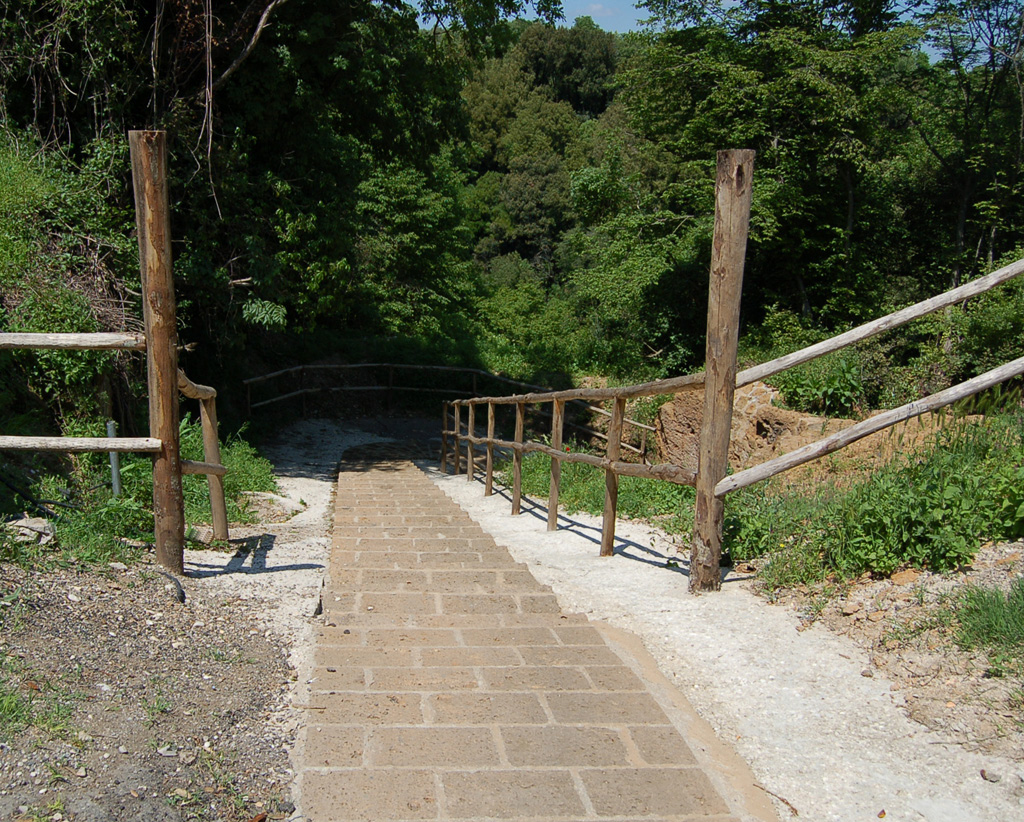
(260, 26)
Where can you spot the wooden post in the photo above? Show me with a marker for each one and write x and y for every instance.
(517, 461)
(557, 423)
(444, 438)
(211, 454)
(458, 445)
(489, 478)
(152, 220)
(470, 432)
(611, 480)
(728, 250)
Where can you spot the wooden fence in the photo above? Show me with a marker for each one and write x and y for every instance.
(719, 381)
(388, 386)
(164, 379)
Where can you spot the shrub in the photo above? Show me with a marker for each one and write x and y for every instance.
(929, 509)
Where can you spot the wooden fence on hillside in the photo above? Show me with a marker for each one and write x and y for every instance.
(165, 380)
(719, 381)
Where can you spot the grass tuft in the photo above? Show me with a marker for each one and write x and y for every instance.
(992, 619)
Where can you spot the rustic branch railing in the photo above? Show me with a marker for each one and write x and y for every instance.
(732, 206)
(164, 379)
(477, 374)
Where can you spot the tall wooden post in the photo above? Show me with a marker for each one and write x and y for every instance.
(489, 477)
(611, 479)
(152, 220)
(557, 424)
(470, 451)
(517, 460)
(728, 251)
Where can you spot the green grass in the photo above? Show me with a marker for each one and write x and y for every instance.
(583, 486)
(46, 706)
(994, 620)
(930, 509)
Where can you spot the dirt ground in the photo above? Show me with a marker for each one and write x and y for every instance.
(147, 708)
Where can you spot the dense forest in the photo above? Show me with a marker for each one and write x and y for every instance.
(453, 184)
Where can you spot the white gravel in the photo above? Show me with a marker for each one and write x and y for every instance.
(834, 744)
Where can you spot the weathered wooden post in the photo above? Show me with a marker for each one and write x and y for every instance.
(470, 433)
(728, 251)
(444, 438)
(489, 478)
(557, 424)
(517, 460)
(152, 219)
(611, 479)
(211, 454)
(458, 432)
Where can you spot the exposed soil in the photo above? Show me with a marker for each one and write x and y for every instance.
(146, 708)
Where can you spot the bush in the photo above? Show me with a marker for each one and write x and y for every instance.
(928, 509)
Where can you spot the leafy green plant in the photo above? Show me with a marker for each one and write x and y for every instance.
(929, 509)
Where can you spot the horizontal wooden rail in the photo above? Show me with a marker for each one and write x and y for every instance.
(647, 389)
(100, 341)
(667, 472)
(209, 468)
(194, 391)
(78, 445)
(869, 426)
(304, 391)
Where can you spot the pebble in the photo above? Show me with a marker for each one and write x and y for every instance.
(122, 749)
(867, 672)
(990, 776)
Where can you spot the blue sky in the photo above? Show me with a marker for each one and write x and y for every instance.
(610, 15)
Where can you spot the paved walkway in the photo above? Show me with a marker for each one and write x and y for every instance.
(449, 685)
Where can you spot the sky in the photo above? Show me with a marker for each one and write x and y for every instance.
(610, 15)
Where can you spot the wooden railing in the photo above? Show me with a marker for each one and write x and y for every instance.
(164, 379)
(710, 478)
(477, 377)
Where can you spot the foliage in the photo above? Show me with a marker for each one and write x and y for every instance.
(59, 243)
(929, 509)
(96, 527)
